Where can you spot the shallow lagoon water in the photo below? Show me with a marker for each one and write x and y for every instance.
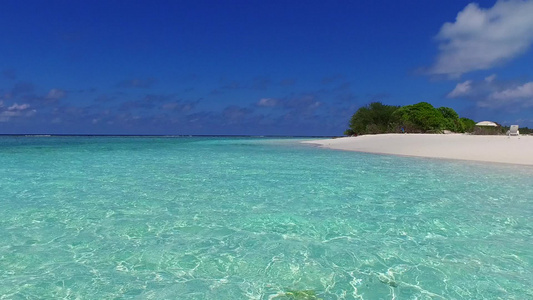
(256, 218)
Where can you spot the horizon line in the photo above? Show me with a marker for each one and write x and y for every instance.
(154, 135)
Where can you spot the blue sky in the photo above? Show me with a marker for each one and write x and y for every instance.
(257, 67)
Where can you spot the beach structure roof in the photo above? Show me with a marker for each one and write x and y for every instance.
(487, 123)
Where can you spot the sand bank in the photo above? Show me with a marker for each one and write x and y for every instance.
(498, 149)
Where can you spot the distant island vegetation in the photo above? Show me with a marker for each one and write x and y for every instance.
(376, 118)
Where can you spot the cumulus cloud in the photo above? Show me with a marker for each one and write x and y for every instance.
(524, 91)
(17, 107)
(267, 102)
(15, 110)
(56, 94)
(461, 89)
(496, 94)
(303, 103)
(480, 39)
(490, 78)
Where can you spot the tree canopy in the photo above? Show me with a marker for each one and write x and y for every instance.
(373, 118)
(421, 117)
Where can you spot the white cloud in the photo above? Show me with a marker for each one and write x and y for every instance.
(15, 110)
(495, 94)
(56, 94)
(524, 91)
(16, 107)
(461, 89)
(267, 102)
(490, 78)
(483, 38)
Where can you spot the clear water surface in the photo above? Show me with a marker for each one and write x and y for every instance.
(245, 218)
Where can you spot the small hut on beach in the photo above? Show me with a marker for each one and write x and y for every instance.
(487, 128)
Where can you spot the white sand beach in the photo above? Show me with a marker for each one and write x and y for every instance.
(498, 149)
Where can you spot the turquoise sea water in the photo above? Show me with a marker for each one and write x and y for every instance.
(252, 218)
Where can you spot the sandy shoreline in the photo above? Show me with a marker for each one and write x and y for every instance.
(496, 149)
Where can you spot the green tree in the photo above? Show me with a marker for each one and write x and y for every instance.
(451, 119)
(373, 118)
(420, 117)
(467, 125)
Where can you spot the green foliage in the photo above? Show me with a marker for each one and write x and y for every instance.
(349, 132)
(420, 117)
(373, 118)
(448, 113)
(525, 130)
(467, 125)
(451, 119)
